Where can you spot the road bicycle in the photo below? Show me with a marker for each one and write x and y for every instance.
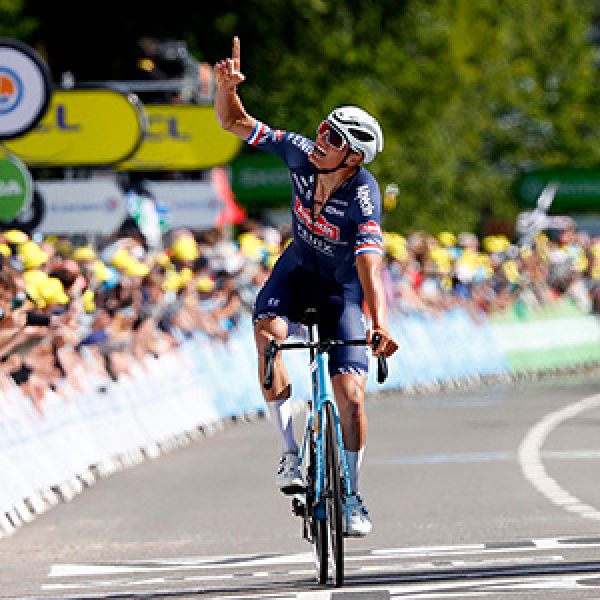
(326, 484)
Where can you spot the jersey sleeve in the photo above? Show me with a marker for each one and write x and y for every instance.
(368, 214)
(292, 148)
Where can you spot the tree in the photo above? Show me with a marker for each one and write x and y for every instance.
(13, 22)
(468, 93)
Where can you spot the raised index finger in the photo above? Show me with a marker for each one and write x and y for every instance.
(236, 53)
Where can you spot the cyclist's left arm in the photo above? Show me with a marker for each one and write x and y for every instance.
(369, 266)
(368, 251)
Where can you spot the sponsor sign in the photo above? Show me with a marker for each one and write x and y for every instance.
(261, 179)
(92, 206)
(83, 127)
(182, 137)
(576, 188)
(15, 187)
(193, 204)
(25, 88)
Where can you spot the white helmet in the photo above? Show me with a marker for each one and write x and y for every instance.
(359, 128)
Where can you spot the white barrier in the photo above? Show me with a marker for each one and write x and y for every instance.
(165, 402)
(51, 457)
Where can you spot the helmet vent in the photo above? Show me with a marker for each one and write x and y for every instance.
(360, 134)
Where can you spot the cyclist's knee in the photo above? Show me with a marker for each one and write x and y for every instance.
(350, 392)
(267, 329)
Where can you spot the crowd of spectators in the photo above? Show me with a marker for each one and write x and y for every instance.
(69, 309)
(429, 274)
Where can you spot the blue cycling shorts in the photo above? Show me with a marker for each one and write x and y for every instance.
(291, 289)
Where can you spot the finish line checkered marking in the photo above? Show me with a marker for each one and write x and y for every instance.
(392, 572)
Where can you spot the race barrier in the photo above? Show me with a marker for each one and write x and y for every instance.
(202, 385)
(551, 337)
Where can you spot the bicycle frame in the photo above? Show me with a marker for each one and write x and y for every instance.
(321, 394)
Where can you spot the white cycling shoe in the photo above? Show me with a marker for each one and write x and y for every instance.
(289, 478)
(357, 522)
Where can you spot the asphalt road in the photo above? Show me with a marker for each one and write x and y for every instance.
(487, 492)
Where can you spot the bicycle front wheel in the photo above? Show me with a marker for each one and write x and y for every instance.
(318, 526)
(334, 501)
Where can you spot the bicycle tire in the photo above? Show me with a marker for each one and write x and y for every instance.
(334, 502)
(318, 527)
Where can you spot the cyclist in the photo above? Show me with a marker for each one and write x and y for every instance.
(333, 264)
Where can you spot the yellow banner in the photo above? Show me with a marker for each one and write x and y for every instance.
(83, 127)
(185, 137)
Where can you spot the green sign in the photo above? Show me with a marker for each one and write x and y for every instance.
(260, 179)
(15, 186)
(578, 188)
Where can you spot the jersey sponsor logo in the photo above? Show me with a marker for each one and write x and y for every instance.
(321, 226)
(364, 200)
(301, 142)
(317, 243)
(332, 210)
(338, 202)
(370, 227)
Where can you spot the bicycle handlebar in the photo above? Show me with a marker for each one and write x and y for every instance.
(324, 345)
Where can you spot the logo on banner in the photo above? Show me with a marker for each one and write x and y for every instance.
(83, 127)
(321, 226)
(25, 88)
(182, 137)
(16, 187)
(11, 90)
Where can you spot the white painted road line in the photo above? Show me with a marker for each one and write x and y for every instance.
(531, 463)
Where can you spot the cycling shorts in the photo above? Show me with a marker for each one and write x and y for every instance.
(291, 289)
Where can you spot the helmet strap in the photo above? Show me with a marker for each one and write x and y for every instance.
(342, 164)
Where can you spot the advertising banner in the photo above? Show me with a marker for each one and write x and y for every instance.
(193, 204)
(182, 137)
(260, 179)
(16, 186)
(577, 188)
(94, 206)
(25, 88)
(83, 127)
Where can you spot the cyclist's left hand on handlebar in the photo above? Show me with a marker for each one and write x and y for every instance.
(387, 345)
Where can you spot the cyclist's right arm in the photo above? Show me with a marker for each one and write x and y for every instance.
(229, 110)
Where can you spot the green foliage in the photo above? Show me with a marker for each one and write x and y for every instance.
(468, 91)
(13, 22)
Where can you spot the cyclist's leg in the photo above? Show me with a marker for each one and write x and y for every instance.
(348, 367)
(349, 391)
(271, 322)
(266, 330)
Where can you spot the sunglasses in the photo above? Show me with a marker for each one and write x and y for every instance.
(334, 138)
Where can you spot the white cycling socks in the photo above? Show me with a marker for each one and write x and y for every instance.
(353, 462)
(280, 412)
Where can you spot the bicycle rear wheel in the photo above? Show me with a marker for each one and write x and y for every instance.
(334, 503)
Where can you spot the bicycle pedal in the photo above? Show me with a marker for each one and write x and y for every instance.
(299, 505)
(290, 490)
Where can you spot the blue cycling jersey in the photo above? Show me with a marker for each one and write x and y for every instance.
(349, 223)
